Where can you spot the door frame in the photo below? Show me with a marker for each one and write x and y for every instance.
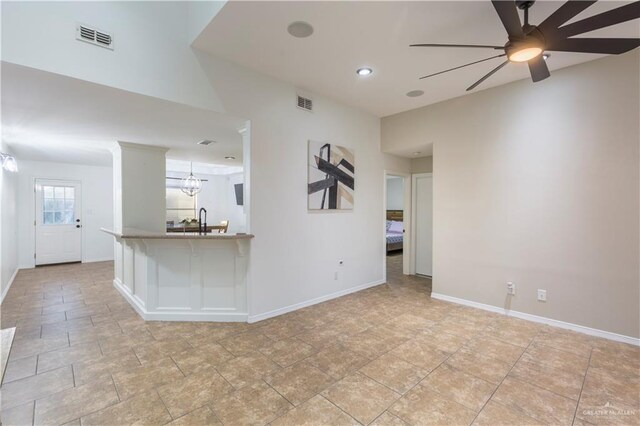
(414, 195)
(406, 218)
(37, 180)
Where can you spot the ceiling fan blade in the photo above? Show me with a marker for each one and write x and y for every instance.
(456, 45)
(564, 13)
(538, 68)
(606, 19)
(509, 16)
(462, 66)
(608, 46)
(489, 74)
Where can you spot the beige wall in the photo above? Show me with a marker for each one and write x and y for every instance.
(539, 184)
(422, 165)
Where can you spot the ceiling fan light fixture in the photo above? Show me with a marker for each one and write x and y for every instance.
(524, 53)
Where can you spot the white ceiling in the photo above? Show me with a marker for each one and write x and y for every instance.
(349, 35)
(50, 117)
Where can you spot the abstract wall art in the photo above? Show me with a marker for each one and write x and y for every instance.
(331, 177)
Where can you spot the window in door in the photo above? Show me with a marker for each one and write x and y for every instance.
(58, 205)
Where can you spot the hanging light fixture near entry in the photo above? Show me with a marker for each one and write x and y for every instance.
(191, 185)
(8, 162)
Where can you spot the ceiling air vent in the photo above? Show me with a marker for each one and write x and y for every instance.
(305, 103)
(94, 36)
(206, 142)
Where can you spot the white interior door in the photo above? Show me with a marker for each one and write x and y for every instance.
(423, 198)
(57, 222)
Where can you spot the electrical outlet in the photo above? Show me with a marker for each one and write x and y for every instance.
(542, 295)
(511, 288)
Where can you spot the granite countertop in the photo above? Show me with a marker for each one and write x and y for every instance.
(138, 233)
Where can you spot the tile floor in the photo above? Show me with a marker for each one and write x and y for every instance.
(389, 355)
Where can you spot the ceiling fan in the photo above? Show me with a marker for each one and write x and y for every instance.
(527, 43)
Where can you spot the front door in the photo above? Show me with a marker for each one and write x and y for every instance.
(58, 223)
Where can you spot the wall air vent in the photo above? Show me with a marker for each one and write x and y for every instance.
(305, 103)
(94, 36)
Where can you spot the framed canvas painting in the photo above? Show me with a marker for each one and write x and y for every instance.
(331, 179)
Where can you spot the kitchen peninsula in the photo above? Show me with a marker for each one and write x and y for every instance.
(183, 277)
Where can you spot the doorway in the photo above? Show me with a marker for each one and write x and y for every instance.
(422, 196)
(397, 212)
(58, 226)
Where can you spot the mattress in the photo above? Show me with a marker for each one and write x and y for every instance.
(393, 238)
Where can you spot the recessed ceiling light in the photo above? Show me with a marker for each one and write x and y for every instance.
(206, 142)
(417, 153)
(300, 29)
(415, 93)
(364, 71)
(229, 157)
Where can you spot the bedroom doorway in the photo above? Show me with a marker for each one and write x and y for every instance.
(397, 210)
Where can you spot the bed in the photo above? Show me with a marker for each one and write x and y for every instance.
(395, 230)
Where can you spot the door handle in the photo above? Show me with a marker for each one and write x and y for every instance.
(77, 220)
(78, 226)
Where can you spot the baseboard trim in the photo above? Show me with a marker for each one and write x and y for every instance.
(542, 320)
(296, 306)
(110, 259)
(6, 290)
(137, 304)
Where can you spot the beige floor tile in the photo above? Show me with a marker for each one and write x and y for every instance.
(594, 412)
(104, 366)
(481, 366)
(205, 356)
(201, 416)
(20, 368)
(361, 397)
(148, 376)
(568, 341)
(622, 362)
(602, 386)
(254, 404)
(315, 411)
(535, 402)
(187, 394)
(460, 387)
(299, 382)
(394, 372)
(422, 406)
(561, 381)
(320, 337)
(514, 331)
(250, 341)
(494, 414)
(35, 387)
(93, 333)
(73, 403)
(143, 409)
(288, 351)
(370, 344)
(338, 361)
(124, 341)
(283, 329)
(418, 353)
(247, 368)
(441, 340)
(159, 349)
(20, 415)
(388, 419)
(556, 358)
(22, 348)
(79, 353)
(495, 348)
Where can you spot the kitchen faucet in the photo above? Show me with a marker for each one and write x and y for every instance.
(202, 229)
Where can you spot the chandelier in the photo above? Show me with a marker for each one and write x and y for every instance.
(191, 185)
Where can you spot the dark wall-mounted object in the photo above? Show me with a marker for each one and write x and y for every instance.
(239, 193)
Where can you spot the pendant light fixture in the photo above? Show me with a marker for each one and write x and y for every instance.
(191, 185)
(8, 162)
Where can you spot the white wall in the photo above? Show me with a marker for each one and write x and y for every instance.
(8, 228)
(539, 184)
(395, 194)
(151, 52)
(295, 252)
(97, 207)
(422, 164)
